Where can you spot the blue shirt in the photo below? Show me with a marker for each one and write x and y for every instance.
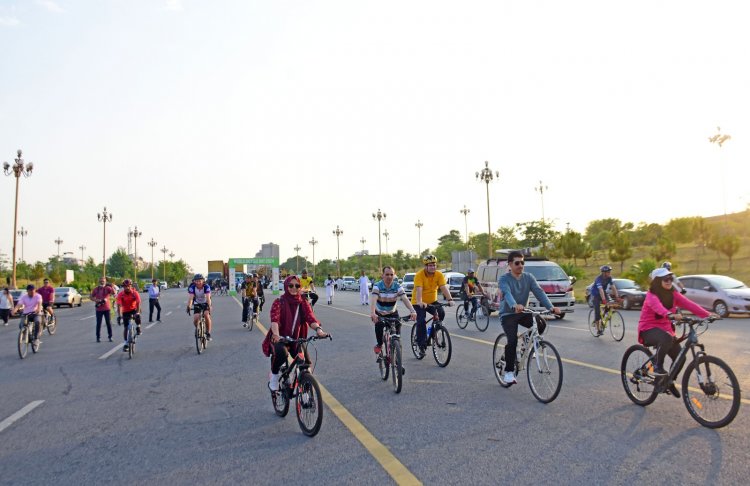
(387, 296)
(199, 296)
(516, 291)
(601, 282)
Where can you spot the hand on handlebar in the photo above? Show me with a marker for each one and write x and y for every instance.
(518, 308)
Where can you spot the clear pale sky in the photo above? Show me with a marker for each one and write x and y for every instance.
(218, 126)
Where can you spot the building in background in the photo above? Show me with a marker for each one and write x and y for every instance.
(268, 250)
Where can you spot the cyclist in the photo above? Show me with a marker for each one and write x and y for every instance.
(290, 317)
(599, 294)
(426, 284)
(515, 287)
(676, 282)
(471, 289)
(199, 297)
(249, 294)
(47, 292)
(31, 303)
(128, 307)
(308, 287)
(259, 291)
(385, 293)
(100, 296)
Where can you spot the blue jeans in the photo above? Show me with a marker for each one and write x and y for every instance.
(474, 302)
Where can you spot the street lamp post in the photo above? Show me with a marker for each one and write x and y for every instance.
(152, 244)
(105, 218)
(719, 140)
(164, 263)
(338, 232)
(386, 234)
(17, 169)
(135, 234)
(59, 242)
(379, 217)
(297, 249)
(465, 211)
(419, 225)
(362, 253)
(22, 232)
(313, 242)
(82, 247)
(486, 175)
(541, 190)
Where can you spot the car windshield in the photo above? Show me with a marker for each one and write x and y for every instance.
(626, 284)
(62, 290)
(455, 280)
(409, 277)
(547, 272)
(723, 282)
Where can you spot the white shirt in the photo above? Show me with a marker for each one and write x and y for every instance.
(364, 282)
(329, 282)
(6, 301)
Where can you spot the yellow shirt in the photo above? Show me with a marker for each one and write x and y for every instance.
(305, 282)
(429, 284)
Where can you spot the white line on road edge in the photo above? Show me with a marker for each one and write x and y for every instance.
(89, 317)
(110, 352)
(152, 324)
(168, 313)
(13, 418)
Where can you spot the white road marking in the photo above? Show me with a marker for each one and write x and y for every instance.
(168, 313)
(152, 324)
(555, 326)
(89, 317)
(13, 418)
(111, 352)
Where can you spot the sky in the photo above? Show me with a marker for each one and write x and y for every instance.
(217, 126)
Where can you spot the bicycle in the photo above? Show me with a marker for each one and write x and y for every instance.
(438, 338)
(538, 356)
(713, 381)
(463, 320)
(49, 322)
(611, 318)
(132, 336)
(389, 359)
(296, 381)
(24, 336)
(252, 302)
(201, 341)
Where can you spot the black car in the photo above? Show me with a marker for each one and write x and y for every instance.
(630, 292)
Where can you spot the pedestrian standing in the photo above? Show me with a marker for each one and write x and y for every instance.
(6, 304)
(330, 284)
(153, 301)
(339, 284)
(100, 295)
(364, 291)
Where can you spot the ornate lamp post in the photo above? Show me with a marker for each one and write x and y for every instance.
(22, 232)
(386, 234)
(135, 234)
(17, 169)
(338, 232)
(379, 217)
(419, 225)
(105, 218)
(486, 175)
(59, 242)
(297, 249)
(541, 190)
(465, 211)
(164, 262)
(313, 242)
(152, 244)
(362, 254)
(82, 247)
(719, 140)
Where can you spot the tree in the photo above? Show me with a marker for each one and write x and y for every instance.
(620, 248)
(506, 237)
(571, 245)
(119, 264)
(664, 249)
(447, 244)
(641, 272)
(586, 252)
(680, 230)
(728, 246)
(536, 233)
(646, 234)
(612, 225)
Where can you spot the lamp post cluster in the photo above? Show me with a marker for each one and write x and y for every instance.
(17, 169)
(135, 234)
(379, 216)
(105, 218)
(338, 232)
(486, 175)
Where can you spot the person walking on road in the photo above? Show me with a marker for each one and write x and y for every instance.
(364, 291)
(100, 296)
(6, 304)
(153, 301)
(329, 283)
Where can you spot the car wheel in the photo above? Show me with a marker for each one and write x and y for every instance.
(626, 303)
(721, 308)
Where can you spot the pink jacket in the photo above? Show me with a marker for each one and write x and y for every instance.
(654, 314)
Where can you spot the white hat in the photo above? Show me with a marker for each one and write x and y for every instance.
(660, 272)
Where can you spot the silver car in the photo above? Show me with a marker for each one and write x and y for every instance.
(719, 293)
(67, 296)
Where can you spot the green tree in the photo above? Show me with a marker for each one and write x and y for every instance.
(506, 237)
(728, 245)
(586, 252)
(571, 245)
(646, 234)
(611, 225)
(680, 230)
(620, 248)
(640, 272)
(664, 249)
(447, 244)
(536, 233)
(119, 265)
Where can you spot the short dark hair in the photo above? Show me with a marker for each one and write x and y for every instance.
(388, 266)
(513, 255)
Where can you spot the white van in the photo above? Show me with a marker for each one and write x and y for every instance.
(349, 283)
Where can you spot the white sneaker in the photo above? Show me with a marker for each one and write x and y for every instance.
(509, 378)
(274, 384)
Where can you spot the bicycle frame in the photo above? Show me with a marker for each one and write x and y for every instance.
(691, 338)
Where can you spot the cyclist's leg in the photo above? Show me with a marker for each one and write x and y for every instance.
(126, 316)
(597, 312)
(245, 308)
(421, 328)
(510, 326)
(37, 326)
(474, 303)
(663, 342)
(466, 306)
(196, 315)
(313, 299)
(255, 305)
(279, 354)
(440, 312)
(207, 313)
(379, 326)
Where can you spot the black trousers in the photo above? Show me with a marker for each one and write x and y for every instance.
(380, 326)
(246, 307)
(280, 354)
(510, 326)
(107, 318)
(126, 316)
(421, 321)
(664, 343)
(151, 304)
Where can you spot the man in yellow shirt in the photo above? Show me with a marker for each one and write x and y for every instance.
(426, 284)
(308, 287)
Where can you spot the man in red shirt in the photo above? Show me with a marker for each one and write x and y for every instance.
(47, 292)
(100, 296)
(128, 307)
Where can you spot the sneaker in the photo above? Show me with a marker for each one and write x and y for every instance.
(98, 340)
(150, 320)
(208, 336)
(138, 331)
(377, 349)
(244, 324)
(110, 339)
(37, 341)
(674, 391)
(274, 383)
(422, 352)
(125, 348)
(659, 371)
(509, 378)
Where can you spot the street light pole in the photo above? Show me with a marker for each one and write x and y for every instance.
(82, 247)
(486, 175)
(17, 169)
(164, 262)
(22, 232)
(313, 242)
(719, 140)
(338, 232)
(541, 190)
(105, 218)
(379, 216)
(152, 244)
(135, 234)
(362, 254)
(465, 211)
(297, 249)
(59, 242)
(386, 234)
(419, 225)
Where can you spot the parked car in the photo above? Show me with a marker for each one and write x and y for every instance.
(719, 293)
(454, 279)
(16, 294)
(350, 283)
(631, 293)
(408, 283)
(163, 285)
(67, 296)
(147, 287)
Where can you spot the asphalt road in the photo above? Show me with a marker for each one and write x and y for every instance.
(82, 412)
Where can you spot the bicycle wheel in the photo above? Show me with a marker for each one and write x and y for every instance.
(198, 341)
(592, 327)
(51, 325)
(636, 372)
(715, 402)
(414, 345)
(461, 318)
(23, 342)
(280, 400)
(131, 341)
(251, 323)
(617, 326)
(309, 405)
(482, 319)
(441, 345)
(544, 371)
(498, 358)
(396, 366)
(35, 342)
(383, 363)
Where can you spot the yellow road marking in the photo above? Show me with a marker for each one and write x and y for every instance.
(389, 462)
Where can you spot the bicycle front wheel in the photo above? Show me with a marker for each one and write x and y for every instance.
(131, 342)
(383, 364)
(396, 366)
(461, 318)
(309, 405)
(482, 319)
(414, 345)
(441, 346)
(251, 323)
(498, 358)
(280, 402)
(711, 392)
(617, 326)
(636, 373)
(51, 325)
(544, 371)
(592, 326)
(198, 341)
(23, 342)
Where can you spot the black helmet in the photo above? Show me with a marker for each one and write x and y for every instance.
(198, 276)
(605, 268)
(667, 265)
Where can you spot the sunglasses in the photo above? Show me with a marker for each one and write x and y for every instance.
(519, 262)
(294, 286)
(668, 279)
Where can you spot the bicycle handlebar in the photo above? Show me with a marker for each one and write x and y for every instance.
(288, 340)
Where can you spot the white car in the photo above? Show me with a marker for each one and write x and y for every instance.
(350, 283)
(67, 296)
(408, 283)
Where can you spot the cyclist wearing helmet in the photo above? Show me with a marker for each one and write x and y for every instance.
(128, 307)
(249, 293)
(676, 282)
(426, 284)
(259, 291)
(199, 297)
(471, 289)
(599, 294)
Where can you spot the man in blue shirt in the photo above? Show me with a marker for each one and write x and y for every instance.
(516, 286)
(599, 294)
(385, 294)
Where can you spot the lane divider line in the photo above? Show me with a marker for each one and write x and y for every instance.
(18, 415)
(111, 352)
(168, 313)
(84, 318)
(384, 457)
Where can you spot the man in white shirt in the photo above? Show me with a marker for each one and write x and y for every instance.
(153, 301)
(364, 290)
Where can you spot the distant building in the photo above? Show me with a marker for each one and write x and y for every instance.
(268, 250)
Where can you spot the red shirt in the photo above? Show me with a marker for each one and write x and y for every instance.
(47, 293)
(128, 301)
(102, 293)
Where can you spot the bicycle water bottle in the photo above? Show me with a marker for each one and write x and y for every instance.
(429, 330)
